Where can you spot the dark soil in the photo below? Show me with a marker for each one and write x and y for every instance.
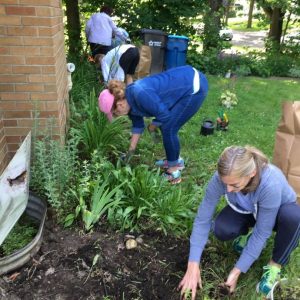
(62, 269)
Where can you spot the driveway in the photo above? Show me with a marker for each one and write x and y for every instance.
(253, 39)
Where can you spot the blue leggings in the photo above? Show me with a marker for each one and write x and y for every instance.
(229, 224)
(184, 109)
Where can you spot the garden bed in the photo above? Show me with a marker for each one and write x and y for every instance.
(63, 268)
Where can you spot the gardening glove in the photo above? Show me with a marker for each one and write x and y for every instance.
(126, 157)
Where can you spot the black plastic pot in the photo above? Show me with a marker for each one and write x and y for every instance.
(207, 127)
(36, 209)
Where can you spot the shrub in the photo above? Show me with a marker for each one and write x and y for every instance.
(294, 72)
(279, 64)
(254, 63)
(242, 70)
(54, 170)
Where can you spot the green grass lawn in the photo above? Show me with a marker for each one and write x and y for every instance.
(240, 24)
(253, 121)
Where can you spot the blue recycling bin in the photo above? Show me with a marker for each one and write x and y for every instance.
(176, 51)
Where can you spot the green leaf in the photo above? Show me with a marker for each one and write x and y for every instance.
(69, 220)
(96, 257)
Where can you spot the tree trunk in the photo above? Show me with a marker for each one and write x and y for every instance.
(250, 14)
(212, 24)
(73, 27)
(276, 24)
(286, 26)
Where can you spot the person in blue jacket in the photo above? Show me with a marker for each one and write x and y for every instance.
(259, 200)
(172, 97)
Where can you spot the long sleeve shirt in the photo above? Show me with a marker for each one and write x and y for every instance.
(272, 192)
(110, 64)
(99, 29)
(154, 96)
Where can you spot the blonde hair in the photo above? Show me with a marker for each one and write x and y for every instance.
(238, 161)
(117, 89)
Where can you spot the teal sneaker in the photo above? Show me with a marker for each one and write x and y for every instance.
(268, 281)
(173, 177)
(163, 163)
(240, 242)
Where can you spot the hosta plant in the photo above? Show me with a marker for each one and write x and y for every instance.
(228, 99)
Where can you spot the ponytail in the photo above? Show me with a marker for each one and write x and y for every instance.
(117, 88)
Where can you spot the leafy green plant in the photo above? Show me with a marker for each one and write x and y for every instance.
(98, 134)
(242, 70)
(21, 235)
(294, 72)
(52, 172)
(140, 185)
(172, 211)
(94, 130)
(228, 99)
(102, 198)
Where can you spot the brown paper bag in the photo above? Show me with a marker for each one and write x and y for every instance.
(287, 144)
(144, 65)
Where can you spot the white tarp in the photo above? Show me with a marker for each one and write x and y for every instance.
(14, 188)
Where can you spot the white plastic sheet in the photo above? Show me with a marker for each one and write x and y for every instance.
(14, 188)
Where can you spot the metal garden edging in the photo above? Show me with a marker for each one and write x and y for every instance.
(36, 209)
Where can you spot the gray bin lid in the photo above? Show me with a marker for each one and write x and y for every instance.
(14, 188)
(153, 31)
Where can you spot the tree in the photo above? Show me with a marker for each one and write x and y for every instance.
(73, 27)
(212, 24)
(228, 5)
(275, 11)
(250, 13)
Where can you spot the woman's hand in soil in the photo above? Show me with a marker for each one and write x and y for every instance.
(233, 279)
(190, 282)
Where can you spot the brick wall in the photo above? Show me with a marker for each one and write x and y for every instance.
(3, 146)
(33, 75)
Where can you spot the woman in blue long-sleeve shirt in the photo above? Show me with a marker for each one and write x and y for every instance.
(172, 97)
(258, 197)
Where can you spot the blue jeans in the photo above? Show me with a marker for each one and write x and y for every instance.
(229, 224)
(182, 111)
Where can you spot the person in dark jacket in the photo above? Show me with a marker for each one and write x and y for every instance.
(172, 97)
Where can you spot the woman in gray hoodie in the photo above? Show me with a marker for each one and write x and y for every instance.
(258, 197)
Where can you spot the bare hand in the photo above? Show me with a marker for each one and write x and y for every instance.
(233, 279)
(190, 282)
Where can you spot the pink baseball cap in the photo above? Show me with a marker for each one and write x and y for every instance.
(105, 102)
